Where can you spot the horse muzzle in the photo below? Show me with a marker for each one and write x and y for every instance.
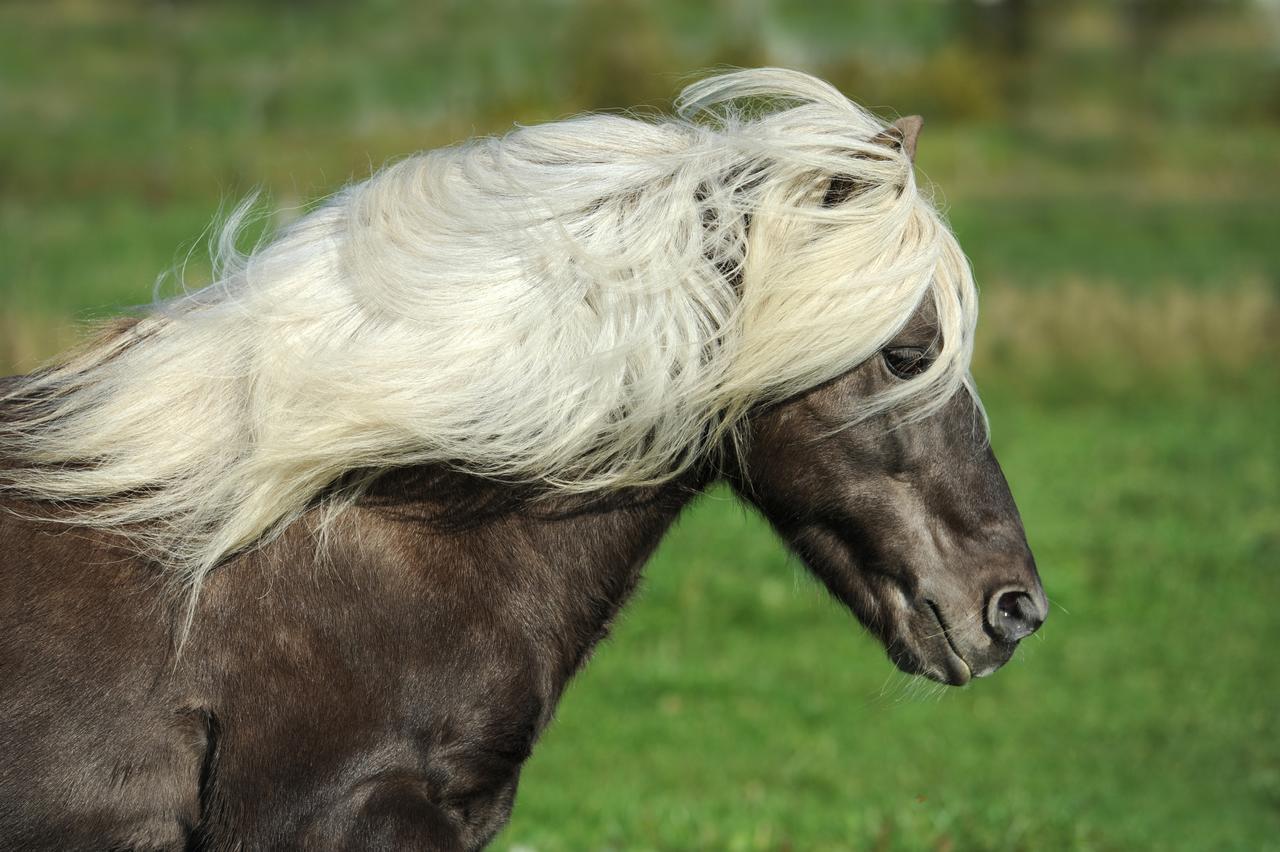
(953, 642)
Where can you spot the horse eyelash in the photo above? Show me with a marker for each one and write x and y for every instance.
(914, 363)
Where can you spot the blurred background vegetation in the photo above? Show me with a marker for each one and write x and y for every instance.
(1112, 169)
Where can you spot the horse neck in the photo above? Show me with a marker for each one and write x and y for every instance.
(555, 568)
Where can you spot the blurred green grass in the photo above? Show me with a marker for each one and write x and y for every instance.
(1111, 171)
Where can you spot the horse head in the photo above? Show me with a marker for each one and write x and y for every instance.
(908, 520)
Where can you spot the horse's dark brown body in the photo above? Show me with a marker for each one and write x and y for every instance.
(383, 698)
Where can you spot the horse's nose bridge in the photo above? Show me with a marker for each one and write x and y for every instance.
(1026, 575)
(996, 553)
(1016, 568)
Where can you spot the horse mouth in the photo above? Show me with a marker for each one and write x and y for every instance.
(955, 669)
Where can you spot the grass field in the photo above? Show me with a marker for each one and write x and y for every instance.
(1129, 356)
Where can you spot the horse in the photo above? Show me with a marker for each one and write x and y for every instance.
(305, 558)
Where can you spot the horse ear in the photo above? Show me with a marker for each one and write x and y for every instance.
(909, 127)
(902, 134)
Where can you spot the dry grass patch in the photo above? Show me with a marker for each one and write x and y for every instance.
(1118, 336)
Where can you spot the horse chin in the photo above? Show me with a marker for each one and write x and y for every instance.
(926, 647)
(946, 667)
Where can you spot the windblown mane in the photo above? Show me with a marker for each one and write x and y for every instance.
(590, 304)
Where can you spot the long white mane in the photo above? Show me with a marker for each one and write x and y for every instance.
(591, 303)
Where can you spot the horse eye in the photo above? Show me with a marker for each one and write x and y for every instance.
(906, 362)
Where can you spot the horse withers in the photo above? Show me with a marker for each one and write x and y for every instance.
(306, 559)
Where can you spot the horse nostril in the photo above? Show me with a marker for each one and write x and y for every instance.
(1012, 614)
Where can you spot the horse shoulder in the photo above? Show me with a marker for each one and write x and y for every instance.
(101, 747)
(375, 698)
